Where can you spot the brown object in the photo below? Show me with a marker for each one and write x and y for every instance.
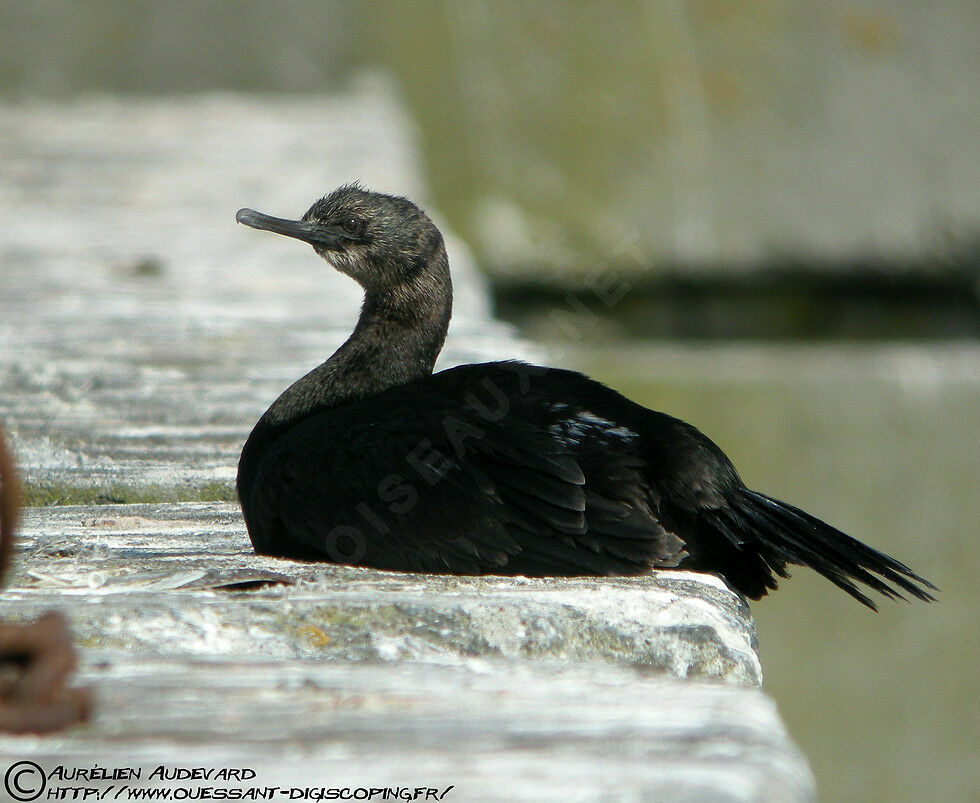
(36, 658)
(9, 504)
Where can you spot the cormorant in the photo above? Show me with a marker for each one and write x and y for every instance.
(497, 468)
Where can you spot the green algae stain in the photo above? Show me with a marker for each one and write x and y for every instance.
(55, 494)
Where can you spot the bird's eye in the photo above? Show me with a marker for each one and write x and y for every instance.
(352, 225)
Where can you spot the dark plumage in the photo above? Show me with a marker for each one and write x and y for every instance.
(497, 468)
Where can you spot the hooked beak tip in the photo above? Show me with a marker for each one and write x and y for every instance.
(246, 216)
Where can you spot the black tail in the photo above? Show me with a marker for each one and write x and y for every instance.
(781, 534)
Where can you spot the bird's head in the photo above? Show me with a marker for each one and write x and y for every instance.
(384, 242)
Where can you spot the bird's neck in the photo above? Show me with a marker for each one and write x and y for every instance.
(397, 339)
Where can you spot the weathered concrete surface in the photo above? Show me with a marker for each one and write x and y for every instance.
(506, 688)
(494, 731)
(166, 579)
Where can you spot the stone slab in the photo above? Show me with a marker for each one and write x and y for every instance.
(492, 731)
(182, 579)
(202, 654)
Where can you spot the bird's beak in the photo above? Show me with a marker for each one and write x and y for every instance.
(315, 234)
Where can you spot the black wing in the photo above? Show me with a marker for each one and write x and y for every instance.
(475, 470)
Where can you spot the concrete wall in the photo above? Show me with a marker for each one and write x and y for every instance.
(706, 134)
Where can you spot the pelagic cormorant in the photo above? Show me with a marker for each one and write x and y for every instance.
(497, 468)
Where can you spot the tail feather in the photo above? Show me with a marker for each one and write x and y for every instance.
(794, 536)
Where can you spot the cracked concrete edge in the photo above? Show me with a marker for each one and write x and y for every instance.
(580, 731)
(163, 579)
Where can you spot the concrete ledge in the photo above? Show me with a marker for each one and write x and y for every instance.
(203, 654)
(495, 731)
(165, 579)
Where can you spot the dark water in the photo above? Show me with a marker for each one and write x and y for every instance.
(882, 442)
